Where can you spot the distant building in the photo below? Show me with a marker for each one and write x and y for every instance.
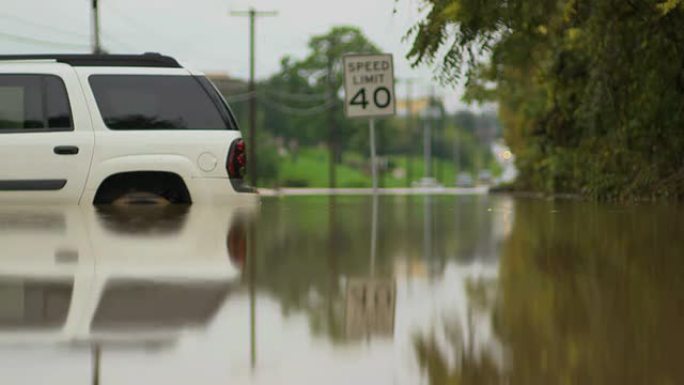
(418, 105)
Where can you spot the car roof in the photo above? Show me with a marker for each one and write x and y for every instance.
(148, 59)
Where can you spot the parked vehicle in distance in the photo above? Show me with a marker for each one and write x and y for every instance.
(97, 128)
(484, 177)
(428, 183)
(464, 179)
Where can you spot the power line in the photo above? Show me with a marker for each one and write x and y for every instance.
(143, 29)
(52, 28)
(31, 40)
(302, 97)
(278, 105)
(268, 93)
(300, 111)
(240, 97)
(132, 22)
(108, 37)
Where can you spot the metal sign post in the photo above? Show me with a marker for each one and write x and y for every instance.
(369, 93)
(374, 164)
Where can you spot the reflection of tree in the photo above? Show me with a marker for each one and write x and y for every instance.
(587, 295)
(472, 368)
(474, 362)
(308, 246)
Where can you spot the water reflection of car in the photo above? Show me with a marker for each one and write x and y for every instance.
(79, 275)
(464, 179)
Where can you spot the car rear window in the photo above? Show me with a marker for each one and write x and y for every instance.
(30, 103)
(145, 304)
(159, 102)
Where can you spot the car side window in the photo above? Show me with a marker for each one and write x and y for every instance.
(158, 102)
(33, 103)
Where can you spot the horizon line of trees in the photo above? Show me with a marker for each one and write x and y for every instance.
(302, 104)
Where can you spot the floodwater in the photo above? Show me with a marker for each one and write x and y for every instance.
(344, 290)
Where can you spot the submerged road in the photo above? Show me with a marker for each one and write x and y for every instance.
(343, 290)
(382, 191)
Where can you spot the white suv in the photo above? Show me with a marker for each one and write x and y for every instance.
(95, 128)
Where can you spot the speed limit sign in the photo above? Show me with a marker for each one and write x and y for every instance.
(369, 93)
(368, 85)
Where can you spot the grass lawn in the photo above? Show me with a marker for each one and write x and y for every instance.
(310, 169)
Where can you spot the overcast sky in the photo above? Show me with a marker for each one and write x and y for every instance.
(201, 33)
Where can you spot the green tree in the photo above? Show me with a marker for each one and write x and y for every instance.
(591, 93)
(302, 94)
(299, 104)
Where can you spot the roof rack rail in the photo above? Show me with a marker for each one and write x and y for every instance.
(148, 59)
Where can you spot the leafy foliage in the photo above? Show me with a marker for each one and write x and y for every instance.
(298, 105)
(591, 93)
(304, 86)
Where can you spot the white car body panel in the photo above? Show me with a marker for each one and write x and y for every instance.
(197, 156)
(30, 155)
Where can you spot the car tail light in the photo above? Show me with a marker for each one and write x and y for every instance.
(236, 165)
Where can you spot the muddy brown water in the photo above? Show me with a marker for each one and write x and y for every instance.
(344, 290)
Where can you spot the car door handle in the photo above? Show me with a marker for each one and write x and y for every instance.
(66, 150)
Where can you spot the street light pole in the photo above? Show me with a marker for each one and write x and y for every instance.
(252, 14)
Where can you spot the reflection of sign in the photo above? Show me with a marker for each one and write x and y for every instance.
(370, 307)
(368, 85)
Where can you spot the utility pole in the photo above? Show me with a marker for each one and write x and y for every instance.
(96, 28)
(429, 115)
(439, 138)
(457, 157)
(411, 129)
(427, 147)
(96, 354)
(251, 267)
(332, 129)
(252, 14)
